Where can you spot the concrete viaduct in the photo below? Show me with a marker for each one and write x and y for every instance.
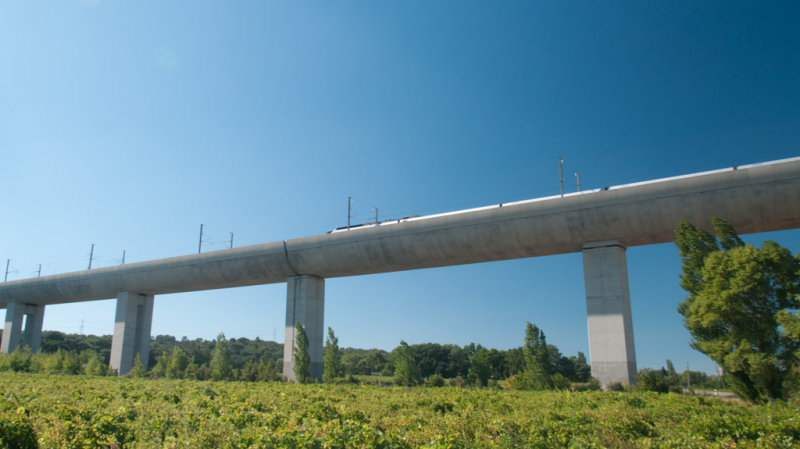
(600, 223)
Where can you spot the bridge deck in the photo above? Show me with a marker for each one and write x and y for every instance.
(754, 198)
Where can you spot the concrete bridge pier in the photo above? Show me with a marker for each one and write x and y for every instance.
(31, 336)
(131, 330)
(305, 303)
(608, 309)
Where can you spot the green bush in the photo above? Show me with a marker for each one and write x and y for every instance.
(17, 433)
(93, 412)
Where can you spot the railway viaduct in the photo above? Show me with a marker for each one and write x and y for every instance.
(600, 223)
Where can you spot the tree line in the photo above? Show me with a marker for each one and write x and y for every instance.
(260, 360)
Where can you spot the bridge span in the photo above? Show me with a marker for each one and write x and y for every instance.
(600, 223)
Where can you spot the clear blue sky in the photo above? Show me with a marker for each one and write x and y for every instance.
(128, 124)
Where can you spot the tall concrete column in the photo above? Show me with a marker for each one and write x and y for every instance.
(12, 331)
(608, 308)
(305, 303)
(131, 330)
(14, 334)
(32, 335)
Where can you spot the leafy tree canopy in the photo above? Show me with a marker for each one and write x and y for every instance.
(332, 358)
(742, 308)
(302, 360)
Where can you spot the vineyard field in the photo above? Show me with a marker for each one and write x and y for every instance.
(88, 412)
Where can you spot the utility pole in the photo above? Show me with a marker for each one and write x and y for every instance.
(561, 174)
(123, 257)
(91, 256)
(200, 244)
(578, 177)
(8, 264)
(39, 274)
(81, 326)
(349, 200)
(231, 234)
(376, 214)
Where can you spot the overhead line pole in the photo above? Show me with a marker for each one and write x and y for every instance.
(200, 243)
(349, 200)
(231, 234)
(8, 263)
(91, 256)
(561, 174)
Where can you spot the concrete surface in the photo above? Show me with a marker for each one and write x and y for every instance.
(752, 199)
(32, 334)
(305, 303)
(131, 330)
(608, 311)
(14, 334)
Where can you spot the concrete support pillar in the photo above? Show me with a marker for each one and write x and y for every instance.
(608, 308)
(131, 330)
(13, 327)
(305, 303)
(32, 335)
(14, 334)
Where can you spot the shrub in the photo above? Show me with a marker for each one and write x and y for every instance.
(434, 381)
(17, 433)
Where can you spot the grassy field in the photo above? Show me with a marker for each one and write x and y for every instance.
(85, 412)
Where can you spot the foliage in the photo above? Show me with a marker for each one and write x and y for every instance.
(178, 362)
(538, 374)
(94, 366)
(302, 360)
(741, 299)
(77, 411)
(138, 369)
(406, 371)
(480, 370)
(221, 368)
(259, 360)
(665, 380)
(434, 381)
(16, 432)
(331, 359)
(582, 372)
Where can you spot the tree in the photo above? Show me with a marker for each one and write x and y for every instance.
(538, 366)
(302, 361)
(741, 305)
(661, 380)
(582, 370)
(221, 368)
(94, 366)
(332, 359)
(406, 371)
(480, 368)
(138, 369)
(176, 367)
